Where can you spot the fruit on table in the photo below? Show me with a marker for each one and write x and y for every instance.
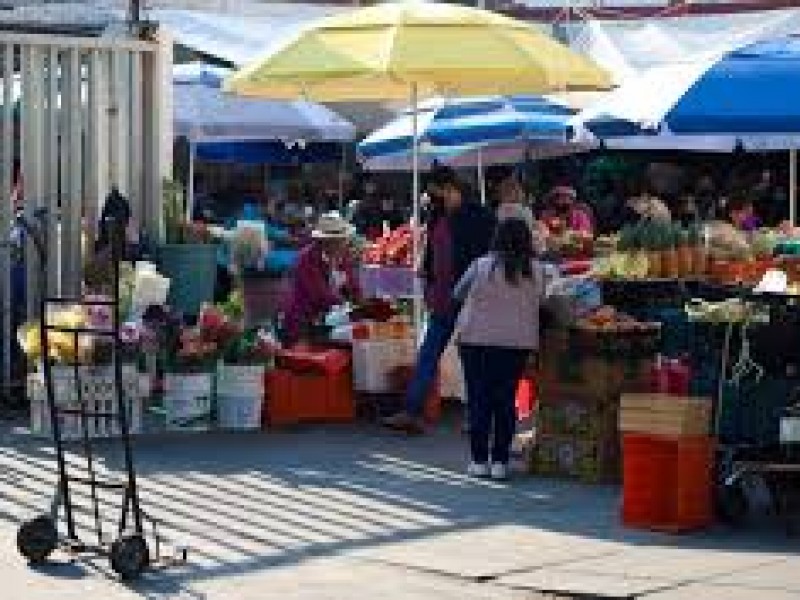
(392, 249)
(609, 319)
(626, 265)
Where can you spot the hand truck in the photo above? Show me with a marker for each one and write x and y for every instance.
(38, 538)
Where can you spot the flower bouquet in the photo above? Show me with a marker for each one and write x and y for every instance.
(261, 290)
(91, 356)
(241, 384)
(249, 247)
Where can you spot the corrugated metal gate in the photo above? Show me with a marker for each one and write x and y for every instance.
(79, 116)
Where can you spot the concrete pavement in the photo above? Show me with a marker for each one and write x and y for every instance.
(346, 513)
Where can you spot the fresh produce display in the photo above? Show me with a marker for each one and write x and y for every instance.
(572, 244)
(733, 310)
(392, 249)
(651, 250)
(609, 320)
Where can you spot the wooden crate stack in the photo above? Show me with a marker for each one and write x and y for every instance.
(577, 434)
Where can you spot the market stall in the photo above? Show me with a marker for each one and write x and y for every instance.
(651, 348)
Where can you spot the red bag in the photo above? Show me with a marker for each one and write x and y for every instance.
(670, 376)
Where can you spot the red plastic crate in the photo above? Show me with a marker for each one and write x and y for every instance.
(667, 482)
(293, 398)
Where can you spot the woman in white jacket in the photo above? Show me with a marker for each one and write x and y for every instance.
(498, 327)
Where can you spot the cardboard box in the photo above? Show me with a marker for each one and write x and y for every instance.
(562, 373)
(374, 360)
(659, 414)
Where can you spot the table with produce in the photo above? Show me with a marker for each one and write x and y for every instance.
(388, 265)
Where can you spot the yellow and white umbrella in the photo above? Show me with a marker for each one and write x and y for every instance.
(416, 49)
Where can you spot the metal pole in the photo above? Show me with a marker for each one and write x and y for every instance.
(481, 177)
(793, 186)
(342, 171)
(416, 225)
(190, 182)
(6, 206)
(135, 11)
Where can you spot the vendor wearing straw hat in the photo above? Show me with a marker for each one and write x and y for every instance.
(323, 277)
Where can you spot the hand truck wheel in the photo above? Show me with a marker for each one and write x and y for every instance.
(37, 538)
(129, 556)
(732, 505)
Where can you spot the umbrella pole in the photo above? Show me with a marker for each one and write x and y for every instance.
(481, 177)
(416, 225)
(793, 186)
(190, 183)
(342, 170)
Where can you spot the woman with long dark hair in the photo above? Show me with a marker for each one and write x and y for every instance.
(498, 330)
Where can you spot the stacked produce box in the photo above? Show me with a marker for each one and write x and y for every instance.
(581, 378)
(668, 462)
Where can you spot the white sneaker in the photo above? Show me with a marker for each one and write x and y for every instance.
(499, 471)
(480, 470)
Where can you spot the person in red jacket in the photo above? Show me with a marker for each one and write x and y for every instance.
(323, 277)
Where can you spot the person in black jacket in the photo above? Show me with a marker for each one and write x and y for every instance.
(458, 232)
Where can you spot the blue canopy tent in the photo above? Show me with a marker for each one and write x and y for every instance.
(222, 127)
(743, 98)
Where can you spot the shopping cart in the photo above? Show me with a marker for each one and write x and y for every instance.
(37, 539)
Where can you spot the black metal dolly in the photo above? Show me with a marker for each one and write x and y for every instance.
(775, 462)
(37, 539)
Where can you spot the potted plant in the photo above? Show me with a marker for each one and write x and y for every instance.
(189, 382)
(188, 256)
(93, 355)
(242, 378)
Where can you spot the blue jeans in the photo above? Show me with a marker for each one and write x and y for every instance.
(437, 337)
(492, 375)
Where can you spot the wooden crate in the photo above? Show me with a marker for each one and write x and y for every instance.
(659, 414)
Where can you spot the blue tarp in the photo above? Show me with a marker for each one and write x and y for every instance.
(273, 153)
(751, 90)
(748, 95)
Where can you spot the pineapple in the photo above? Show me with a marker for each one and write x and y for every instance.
(619, 258)
(698, 250)
(671, 264)
(652, 241)
(685, 254)
(638, 265)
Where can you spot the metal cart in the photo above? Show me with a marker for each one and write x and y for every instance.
(769, 465)
(37, 539)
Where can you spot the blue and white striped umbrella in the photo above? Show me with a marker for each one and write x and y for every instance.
(462, 131)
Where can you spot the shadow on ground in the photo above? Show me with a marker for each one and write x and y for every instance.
(249, 502)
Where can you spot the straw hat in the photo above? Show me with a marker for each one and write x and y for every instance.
(331, 226)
